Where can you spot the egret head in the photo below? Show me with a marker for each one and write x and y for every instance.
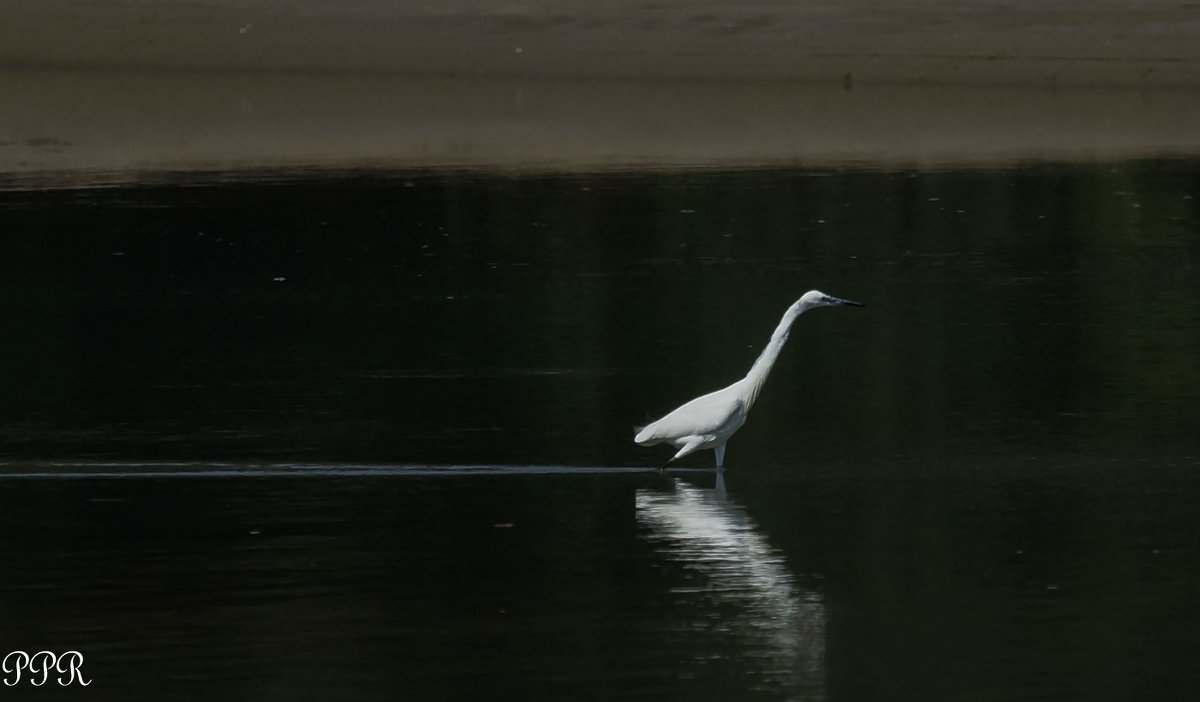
(816, 298)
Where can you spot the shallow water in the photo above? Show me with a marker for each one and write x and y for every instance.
(369, 435)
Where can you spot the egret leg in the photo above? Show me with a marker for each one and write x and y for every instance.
(693, 444)
(720, 449)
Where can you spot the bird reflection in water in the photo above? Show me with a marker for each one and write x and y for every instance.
(742, 596)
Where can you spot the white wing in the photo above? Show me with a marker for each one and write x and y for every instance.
(714, 414)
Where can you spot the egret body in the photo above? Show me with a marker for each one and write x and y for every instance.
(708, 421)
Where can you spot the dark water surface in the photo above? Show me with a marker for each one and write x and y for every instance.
(368, 436)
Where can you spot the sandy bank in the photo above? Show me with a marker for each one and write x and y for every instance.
(1078, 42)
(119, 90)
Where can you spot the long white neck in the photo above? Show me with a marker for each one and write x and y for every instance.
(754, 380)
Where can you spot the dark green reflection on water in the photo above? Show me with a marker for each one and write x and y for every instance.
(979, 486)
(500, 320)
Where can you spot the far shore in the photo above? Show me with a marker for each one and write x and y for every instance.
(121, 92)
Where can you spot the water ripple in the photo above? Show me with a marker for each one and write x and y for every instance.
(168, 469)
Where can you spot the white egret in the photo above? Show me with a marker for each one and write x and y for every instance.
(708, 421)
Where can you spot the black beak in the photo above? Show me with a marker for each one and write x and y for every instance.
(839, 301)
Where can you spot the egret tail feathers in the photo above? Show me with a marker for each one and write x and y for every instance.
(645, 436)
